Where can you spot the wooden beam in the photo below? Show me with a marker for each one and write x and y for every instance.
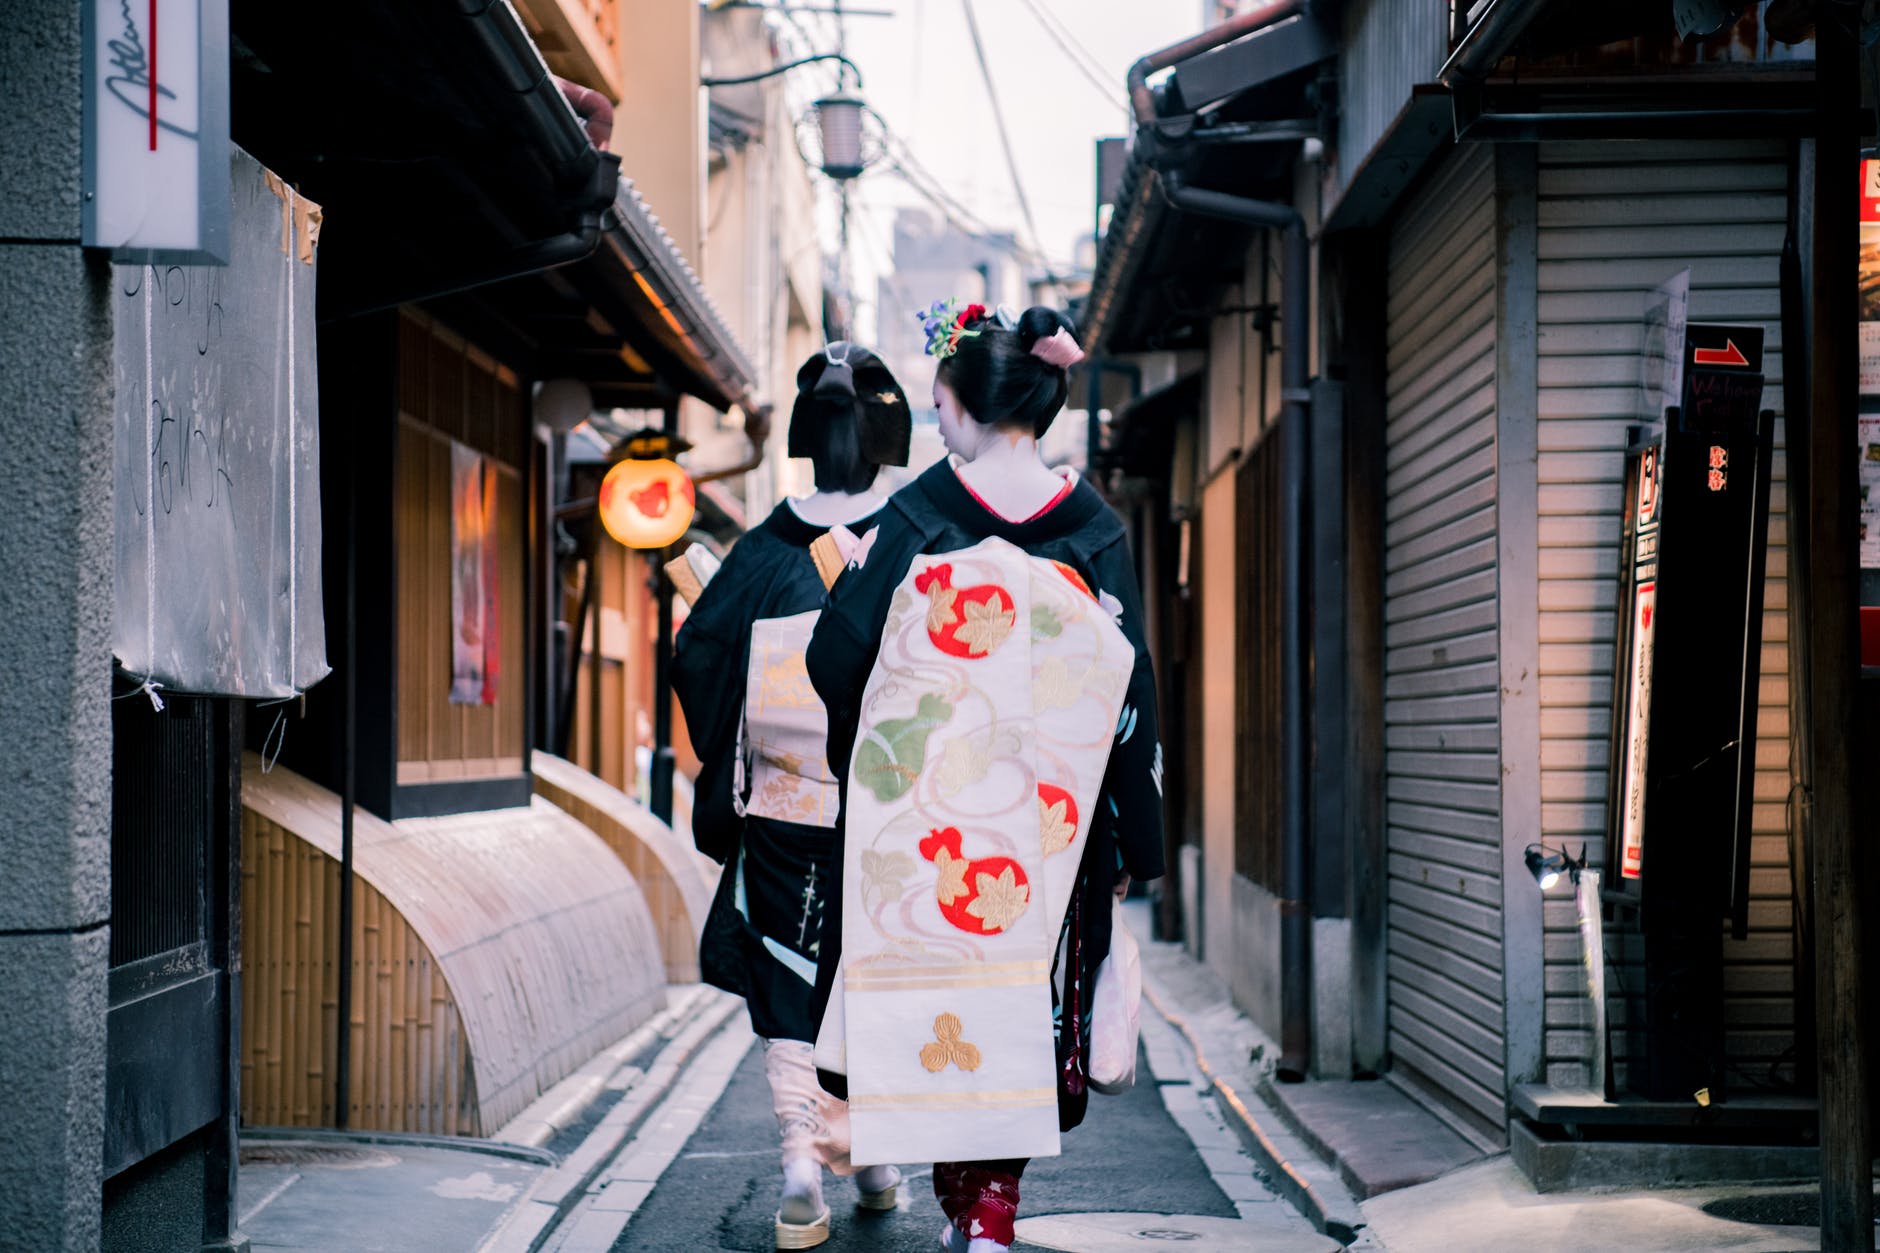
(1834, 664)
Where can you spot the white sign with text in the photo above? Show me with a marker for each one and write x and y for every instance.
(156, 129)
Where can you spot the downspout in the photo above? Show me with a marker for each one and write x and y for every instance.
(1295, 370)
(757, 431)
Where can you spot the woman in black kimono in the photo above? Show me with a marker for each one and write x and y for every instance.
(766, 803)
(999, 385)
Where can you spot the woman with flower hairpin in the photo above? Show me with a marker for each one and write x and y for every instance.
(766, 803)
(992, 722)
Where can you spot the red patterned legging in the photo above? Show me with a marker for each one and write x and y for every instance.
(980, 1198)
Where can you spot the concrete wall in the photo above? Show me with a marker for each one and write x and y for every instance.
(657, 129)
(55, 645)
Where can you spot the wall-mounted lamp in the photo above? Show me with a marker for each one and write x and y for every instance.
(1548, 864)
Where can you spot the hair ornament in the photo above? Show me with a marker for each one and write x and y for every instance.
(1007, 317)
(1058, 349)
(946, 325)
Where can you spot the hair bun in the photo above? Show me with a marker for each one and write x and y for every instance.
(1042, 322)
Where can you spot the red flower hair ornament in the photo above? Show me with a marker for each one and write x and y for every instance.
(945, 327)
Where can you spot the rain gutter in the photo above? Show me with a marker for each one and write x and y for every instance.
(1142, 100)
(1488, 39)
(583, 174)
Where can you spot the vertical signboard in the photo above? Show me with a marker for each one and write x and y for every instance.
(157, 130)
(1868, 427)
(1636, 639)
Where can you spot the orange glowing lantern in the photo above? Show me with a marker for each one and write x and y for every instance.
(646, 502)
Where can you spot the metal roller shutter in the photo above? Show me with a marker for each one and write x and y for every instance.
(1616, 220)
(1441, 670)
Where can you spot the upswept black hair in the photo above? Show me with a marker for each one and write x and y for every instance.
(997, 379)
(850, 418)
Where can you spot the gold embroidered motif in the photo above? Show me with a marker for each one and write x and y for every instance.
(940, 611)
(963, 762)
(1056, 832)
(885, 874)
(1052, 686)
(786, 682)
(1000, 901)
(952, 884)
(949, 1047)
(987, 624)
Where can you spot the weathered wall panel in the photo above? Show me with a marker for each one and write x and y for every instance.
(1388, 47)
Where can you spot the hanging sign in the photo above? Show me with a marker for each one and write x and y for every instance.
(157, 130)
(1723, 378)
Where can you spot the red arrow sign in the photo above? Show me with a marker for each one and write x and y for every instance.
(1729, 354)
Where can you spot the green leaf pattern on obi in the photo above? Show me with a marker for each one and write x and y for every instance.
(890, 757)
(1044, 623)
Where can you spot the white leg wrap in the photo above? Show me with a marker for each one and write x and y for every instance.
(814, 1125)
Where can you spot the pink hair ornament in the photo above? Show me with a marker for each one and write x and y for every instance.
(1058, 349)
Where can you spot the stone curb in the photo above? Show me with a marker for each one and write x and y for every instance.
(529, 1224)
(563, 1104)
(1313, 1188)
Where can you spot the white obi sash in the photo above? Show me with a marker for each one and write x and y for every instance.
(985, 730)
(786, 728)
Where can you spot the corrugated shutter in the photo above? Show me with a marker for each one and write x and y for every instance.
(1441, 675)
(1616, 220)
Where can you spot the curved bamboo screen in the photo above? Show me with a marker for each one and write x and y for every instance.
(493, 954)
(669, 871)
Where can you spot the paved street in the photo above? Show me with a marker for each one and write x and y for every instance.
(1154, 1154)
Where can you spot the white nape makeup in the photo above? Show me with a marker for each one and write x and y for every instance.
(826, 509)
(1002, 467)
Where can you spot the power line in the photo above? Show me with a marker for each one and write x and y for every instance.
(901, 160)
(1049, 17)
(1059, 37)
(1005, 139)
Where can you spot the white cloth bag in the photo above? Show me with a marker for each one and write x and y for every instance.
(1116, 1011)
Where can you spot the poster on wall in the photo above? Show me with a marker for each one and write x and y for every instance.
(472, 578)
(1869, 423)
(1869, 491)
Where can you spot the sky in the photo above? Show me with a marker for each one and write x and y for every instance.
(920, 74)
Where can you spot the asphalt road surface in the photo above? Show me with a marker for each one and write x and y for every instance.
(722, 1192)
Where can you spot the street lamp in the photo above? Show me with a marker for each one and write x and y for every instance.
(838, 117)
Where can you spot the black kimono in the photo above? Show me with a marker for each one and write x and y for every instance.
(763, 932)
(936, 514)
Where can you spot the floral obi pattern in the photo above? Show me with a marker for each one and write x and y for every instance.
(986, 727)
(786, 728)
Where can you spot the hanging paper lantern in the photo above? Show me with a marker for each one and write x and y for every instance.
(646, 502)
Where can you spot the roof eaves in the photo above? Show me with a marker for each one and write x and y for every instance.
(669, 282)
(1133, 222)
